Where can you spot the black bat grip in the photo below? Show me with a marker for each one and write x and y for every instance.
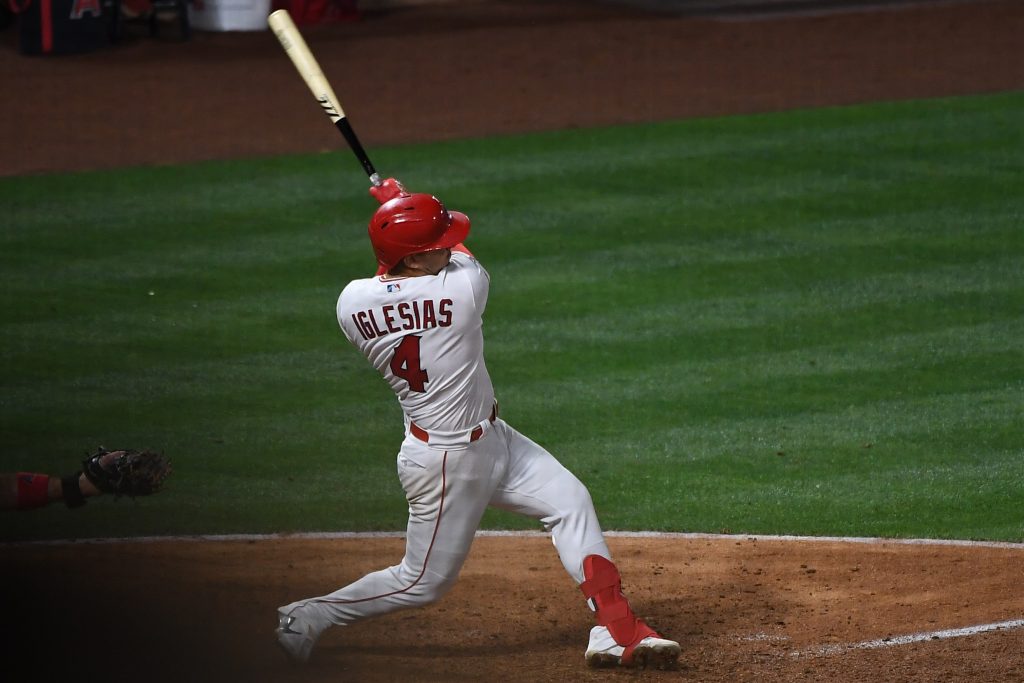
(357, 147)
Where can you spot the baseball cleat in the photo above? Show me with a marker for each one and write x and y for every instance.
(296, 636)
(655, 653)
(652, 652)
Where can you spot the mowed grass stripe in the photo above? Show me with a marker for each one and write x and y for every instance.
(687, 315)
(698, 399)
(761, 315)
(901, 353)
(685, 442)
(671, 389)
(949, 458)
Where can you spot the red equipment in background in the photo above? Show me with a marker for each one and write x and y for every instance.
(320, 11)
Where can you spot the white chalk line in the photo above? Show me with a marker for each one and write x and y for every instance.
(895, 641)
(666, 535)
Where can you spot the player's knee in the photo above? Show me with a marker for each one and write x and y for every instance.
(573, 508)
(576, 498)
(431, 590)
(440, 586)
(429, 587)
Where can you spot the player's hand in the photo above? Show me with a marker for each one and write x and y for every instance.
(388, 190)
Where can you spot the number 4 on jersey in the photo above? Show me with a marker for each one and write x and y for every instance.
(405, 363)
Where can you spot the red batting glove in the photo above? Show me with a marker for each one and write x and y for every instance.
(388, 190)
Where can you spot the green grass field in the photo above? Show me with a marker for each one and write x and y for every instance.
(809, 322)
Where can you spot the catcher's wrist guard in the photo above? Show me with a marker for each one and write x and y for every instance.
(72, 491)
(33, 490)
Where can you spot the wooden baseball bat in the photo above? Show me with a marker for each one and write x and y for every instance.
(295, 47)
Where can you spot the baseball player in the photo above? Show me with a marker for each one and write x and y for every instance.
(419, 323)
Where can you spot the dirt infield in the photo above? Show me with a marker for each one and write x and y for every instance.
(744, 610)
(475, 69)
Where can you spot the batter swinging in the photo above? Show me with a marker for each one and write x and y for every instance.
(419, 322)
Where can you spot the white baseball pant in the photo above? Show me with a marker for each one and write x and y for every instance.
(448, 492)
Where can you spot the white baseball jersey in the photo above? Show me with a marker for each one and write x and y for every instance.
(425, 336)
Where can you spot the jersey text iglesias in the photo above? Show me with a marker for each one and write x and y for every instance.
(403, 317)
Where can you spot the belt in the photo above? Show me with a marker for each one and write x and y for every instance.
(477, 432)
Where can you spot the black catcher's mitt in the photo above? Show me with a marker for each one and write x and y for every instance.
(127, 472)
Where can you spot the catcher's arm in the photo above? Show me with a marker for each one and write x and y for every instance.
(27, 490)
(129, 473)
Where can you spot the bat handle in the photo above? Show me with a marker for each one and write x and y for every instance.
(345, 128)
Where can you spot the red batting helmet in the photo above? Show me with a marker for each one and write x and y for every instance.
(411, 223)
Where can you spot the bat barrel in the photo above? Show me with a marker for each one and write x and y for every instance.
(280, 22)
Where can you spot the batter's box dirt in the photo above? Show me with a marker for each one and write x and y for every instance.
(742, 609)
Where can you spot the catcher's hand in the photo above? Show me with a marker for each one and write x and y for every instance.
(128, 472)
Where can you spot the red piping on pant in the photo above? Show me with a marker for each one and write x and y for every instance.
(426, 558)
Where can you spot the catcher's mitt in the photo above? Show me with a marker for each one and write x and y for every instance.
(127, 472)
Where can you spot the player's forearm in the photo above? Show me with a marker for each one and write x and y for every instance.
(27, 490)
